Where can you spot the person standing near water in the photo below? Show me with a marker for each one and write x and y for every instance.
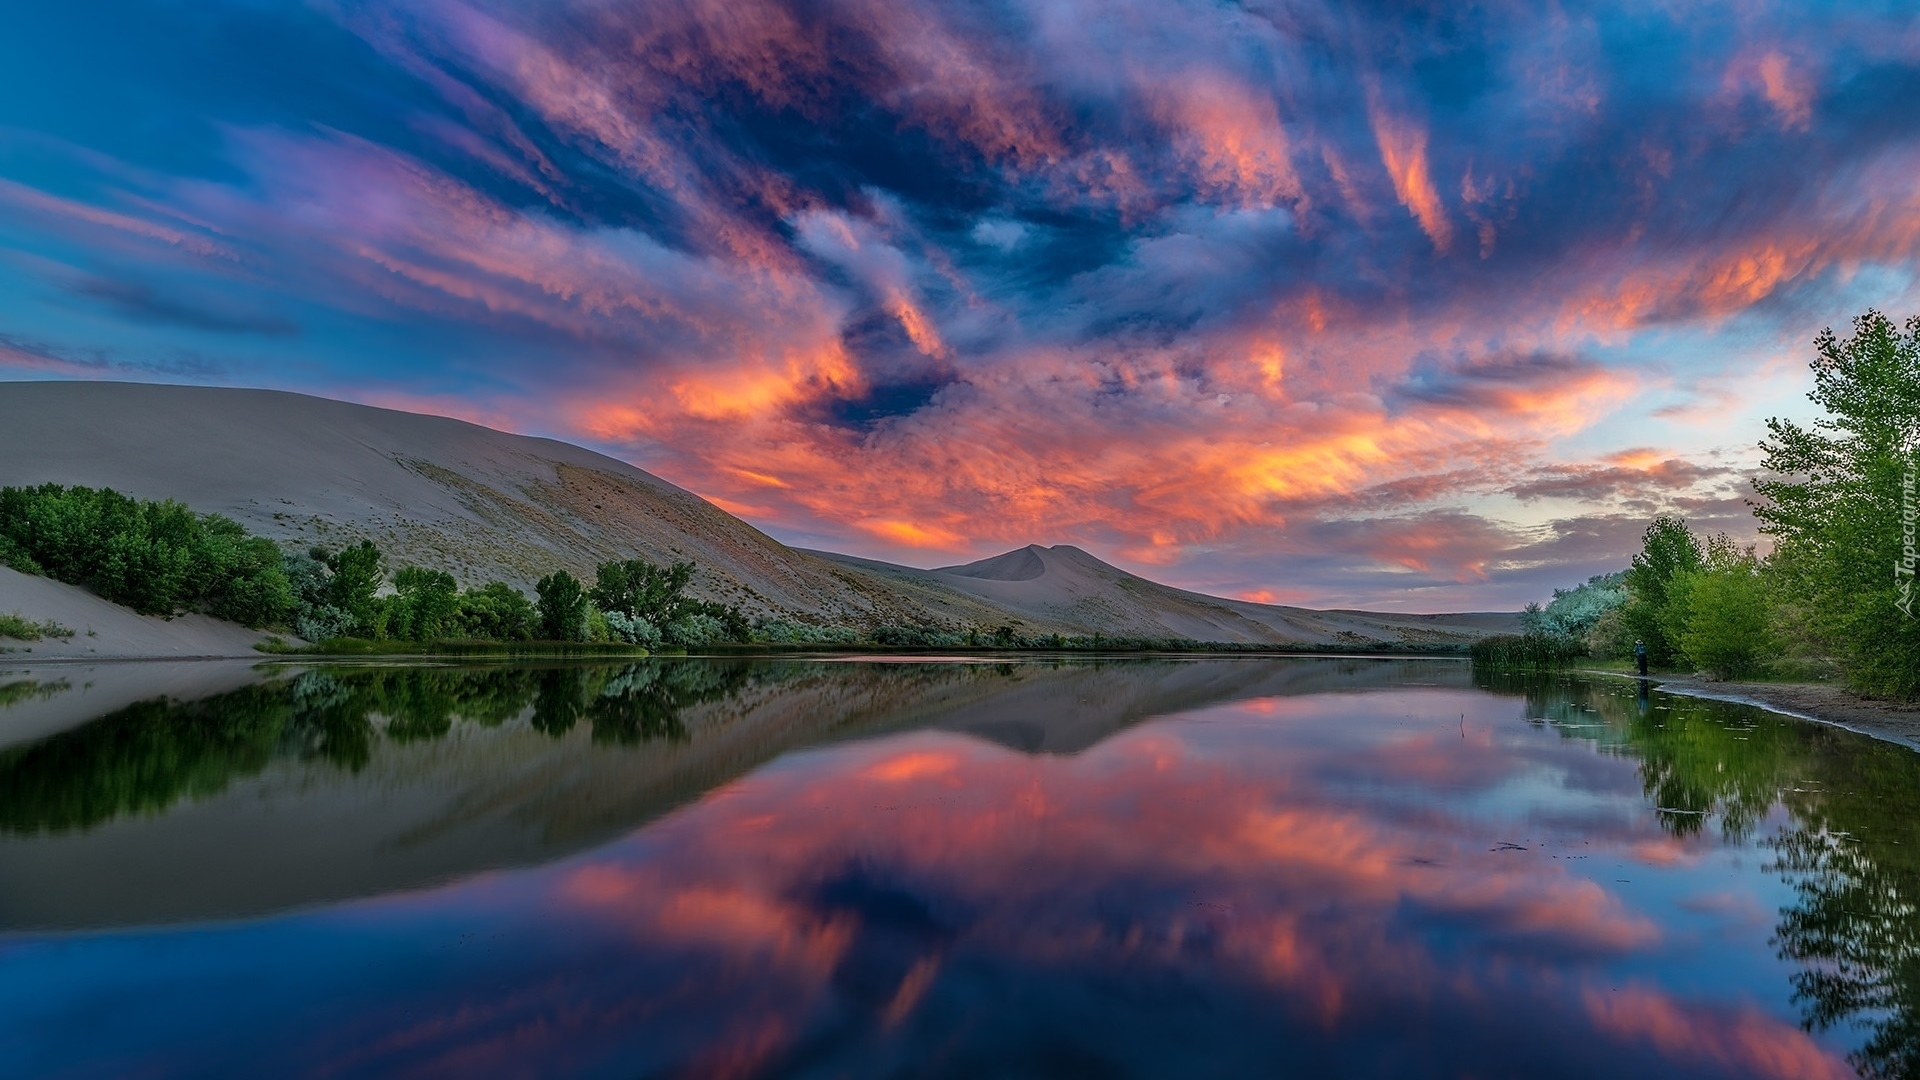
(1640, 656)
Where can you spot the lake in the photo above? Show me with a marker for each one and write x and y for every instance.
(949, 868)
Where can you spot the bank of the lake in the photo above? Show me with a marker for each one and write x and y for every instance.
(1824, 703)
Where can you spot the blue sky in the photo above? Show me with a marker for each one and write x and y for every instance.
(1420, 306)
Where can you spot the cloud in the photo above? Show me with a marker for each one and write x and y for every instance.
(142, 302)
(1181, 282)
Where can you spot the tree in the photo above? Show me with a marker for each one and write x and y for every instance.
(562, 605)
(1841, 505)
(1721, 613)
(1668, 548)
(355, 583)
(497, 610)
(646, 603)
(424, 604)
(640, 589)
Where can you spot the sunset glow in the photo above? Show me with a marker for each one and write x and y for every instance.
(1421, 308)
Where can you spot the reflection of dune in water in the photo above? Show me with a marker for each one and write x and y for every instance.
(297, 832)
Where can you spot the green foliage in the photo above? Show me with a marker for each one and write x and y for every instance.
(562, 606)
(425, 605)
(158, 558)
(1574, 612)
(646, 604)
(21, 628)
(928, 637)
(1721, 615)
(1668, 548)
(1840, 509)
(781, 632)
(496, 611)
(353, 585)
(1533, 650)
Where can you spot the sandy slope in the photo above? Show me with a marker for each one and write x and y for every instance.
(486, 504)
(106, 631)
(1063, 585)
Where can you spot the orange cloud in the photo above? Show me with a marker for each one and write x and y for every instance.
(1403, 150)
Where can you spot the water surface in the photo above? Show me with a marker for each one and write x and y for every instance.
(810, 868)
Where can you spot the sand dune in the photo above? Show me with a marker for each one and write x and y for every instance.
(107, 631)
(486, 504)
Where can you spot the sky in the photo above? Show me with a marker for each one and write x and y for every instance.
(1414, 306)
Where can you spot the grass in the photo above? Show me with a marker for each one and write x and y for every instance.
(366, 647)
(15, 692)
(25, 629)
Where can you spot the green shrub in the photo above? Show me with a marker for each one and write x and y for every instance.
(21, 628)
(1721, 614)
(158, 558)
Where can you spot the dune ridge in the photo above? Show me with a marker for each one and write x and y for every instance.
(487, 504)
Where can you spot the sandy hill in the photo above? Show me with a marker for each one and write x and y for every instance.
(486, 504)
(1064, 585)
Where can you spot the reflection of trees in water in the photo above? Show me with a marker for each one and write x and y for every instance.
(635, 703)
(1697, 758)
(139, 759)
(149, 755)
(1851, 848)
(1854, 861)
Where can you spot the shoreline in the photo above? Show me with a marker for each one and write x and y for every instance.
(1820, 703)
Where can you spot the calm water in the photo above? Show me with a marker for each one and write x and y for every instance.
(702, 868)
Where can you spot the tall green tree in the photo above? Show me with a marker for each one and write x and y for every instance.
(424, 604)
(1668, 549)
(562, 605)
(640, 589)
(355, 584)
(1841, 504)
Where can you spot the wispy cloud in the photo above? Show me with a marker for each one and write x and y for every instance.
(1199, 287)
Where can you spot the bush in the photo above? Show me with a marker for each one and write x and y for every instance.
(21, 628)
(1721, 614)
(497, 611)
(158, 558)
(633, 630)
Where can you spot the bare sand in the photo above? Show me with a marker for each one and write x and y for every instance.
(107, 631)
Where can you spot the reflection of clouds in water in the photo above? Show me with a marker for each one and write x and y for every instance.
(900, 887)
(1376, 884)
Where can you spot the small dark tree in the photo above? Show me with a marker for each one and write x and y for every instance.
(497, 610)
(562, 605)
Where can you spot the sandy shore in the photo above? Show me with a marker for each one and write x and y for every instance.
(1893, 721)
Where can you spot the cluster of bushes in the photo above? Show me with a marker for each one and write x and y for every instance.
(158, 558)
(1839, 502)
